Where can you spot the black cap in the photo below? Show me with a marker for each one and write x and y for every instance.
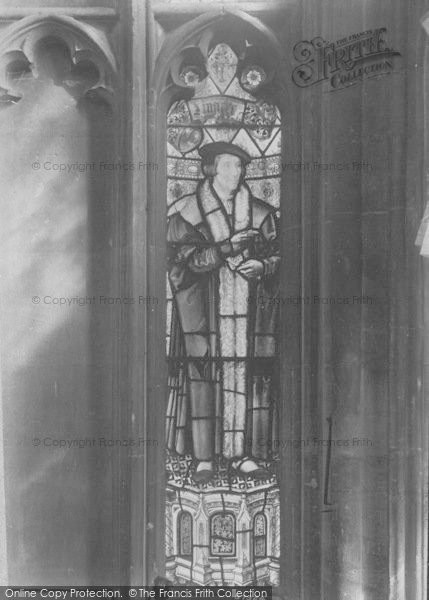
(209, 151)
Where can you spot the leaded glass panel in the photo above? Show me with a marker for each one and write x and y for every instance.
(222, 535)
(185, 534)
(260, 536)
(223, 195)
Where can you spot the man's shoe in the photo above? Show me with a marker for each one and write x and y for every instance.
(204, 472)
(247, 467)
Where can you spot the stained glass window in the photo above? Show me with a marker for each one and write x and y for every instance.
(185, 534)
(223, 195)
(222, 539)
(260, 536)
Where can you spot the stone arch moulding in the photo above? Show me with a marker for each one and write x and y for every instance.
(85, 43)
(195, 35)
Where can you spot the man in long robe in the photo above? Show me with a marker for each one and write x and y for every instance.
(223, 273)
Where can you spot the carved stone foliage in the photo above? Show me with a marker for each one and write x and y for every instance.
(61, 49)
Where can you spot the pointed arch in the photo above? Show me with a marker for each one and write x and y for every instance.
(84, 42)
(183, 36)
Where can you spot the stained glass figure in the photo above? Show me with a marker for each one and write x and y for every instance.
(223, 167)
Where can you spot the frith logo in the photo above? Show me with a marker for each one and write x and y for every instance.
(345, 62)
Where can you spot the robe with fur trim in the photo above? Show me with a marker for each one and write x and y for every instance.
(223, 376)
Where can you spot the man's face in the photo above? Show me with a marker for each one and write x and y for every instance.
(228, 171)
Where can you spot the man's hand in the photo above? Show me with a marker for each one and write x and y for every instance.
(251, 269)
(241, 239)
